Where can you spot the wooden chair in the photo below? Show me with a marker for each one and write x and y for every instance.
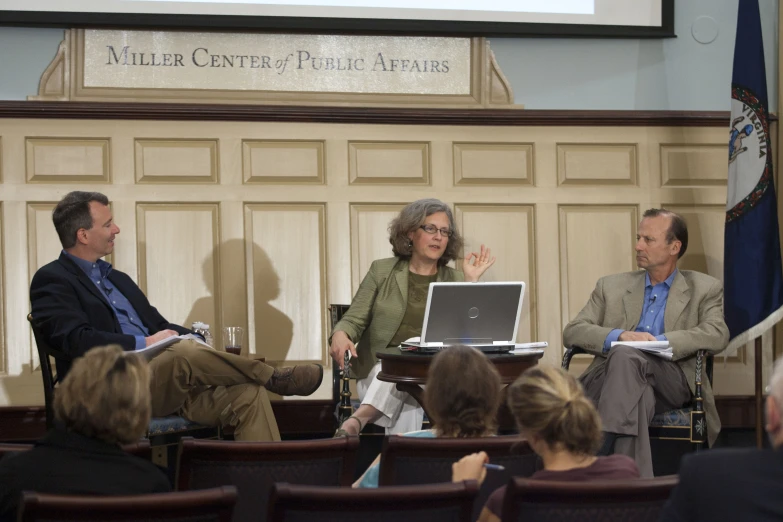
(162, 432)
(410, 461)
(254, 466)
(139, 449)
(209, 505)
(639, 500)
(685, 424)
(452, 502)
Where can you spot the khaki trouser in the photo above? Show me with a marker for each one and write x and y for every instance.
(629, 389)
(213, 388)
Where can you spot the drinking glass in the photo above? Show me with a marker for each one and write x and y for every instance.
(233, 336)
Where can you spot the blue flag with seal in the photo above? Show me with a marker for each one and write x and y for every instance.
(753, 278)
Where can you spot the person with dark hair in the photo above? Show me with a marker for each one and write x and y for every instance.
(562, 427)
(462, 396)
(658, 303)
(389, 308)
(103, 402)
(80, 301)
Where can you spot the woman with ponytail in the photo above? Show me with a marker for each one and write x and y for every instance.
(563, 428)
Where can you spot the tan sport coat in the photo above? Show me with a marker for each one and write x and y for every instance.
(378, 307)
(693, 320)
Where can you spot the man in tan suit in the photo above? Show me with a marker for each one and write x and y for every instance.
(658, 303)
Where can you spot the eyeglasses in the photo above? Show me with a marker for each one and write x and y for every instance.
(432, 229)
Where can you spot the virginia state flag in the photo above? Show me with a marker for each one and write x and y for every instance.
(753, 284)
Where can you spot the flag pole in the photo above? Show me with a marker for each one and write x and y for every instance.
(759, 398)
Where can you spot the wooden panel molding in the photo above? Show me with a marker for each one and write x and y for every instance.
(597, 164)
(393, 162)
(603, 233)
(479, 163)
(509, 230)
(178, 258)
(176, 161)
(693, 165)
(370, 236)
(283, 162)
(68, 160)
(286, 281)
(360, 115)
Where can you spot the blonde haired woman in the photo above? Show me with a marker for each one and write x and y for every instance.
(561, 425)
(103, 402)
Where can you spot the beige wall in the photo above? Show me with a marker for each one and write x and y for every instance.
(264, 224)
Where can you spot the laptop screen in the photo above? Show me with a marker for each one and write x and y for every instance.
(472, 313)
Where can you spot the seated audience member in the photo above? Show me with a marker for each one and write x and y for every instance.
(658, 303)
(562, 427)
(79, 301)
(462, 396)
(389, 305)
(735, 484)
(103, 402)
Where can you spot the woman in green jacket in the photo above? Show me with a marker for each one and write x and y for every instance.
(389, 308)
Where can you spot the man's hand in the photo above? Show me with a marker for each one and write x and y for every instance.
(470, 467)
(163, 334)
(636, 336)
(341, 344)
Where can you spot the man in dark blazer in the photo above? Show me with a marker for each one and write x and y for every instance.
(735, 484)
(79, 301)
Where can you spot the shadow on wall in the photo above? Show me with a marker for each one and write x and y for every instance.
(273, 329)
(25, 389)
(695, 258)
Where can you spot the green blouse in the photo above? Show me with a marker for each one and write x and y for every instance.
(413, 320)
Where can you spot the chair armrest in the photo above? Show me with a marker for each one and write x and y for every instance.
(700, 359)
(569, 353)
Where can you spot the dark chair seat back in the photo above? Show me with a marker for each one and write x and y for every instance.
(431, 503)
(412, 460)
(254, 466)
(637, 500)
(213, 505)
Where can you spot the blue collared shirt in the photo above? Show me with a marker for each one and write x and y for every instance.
(653, 311)
(98, 273)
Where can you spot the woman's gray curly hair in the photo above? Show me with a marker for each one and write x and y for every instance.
(411, 218)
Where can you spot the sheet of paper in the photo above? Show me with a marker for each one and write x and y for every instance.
(154, 349)
(660, 348)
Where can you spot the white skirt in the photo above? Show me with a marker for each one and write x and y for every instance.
(401, 412)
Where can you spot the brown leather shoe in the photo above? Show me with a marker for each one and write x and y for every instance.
(296, 380)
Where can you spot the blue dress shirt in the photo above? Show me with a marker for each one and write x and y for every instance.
(98, 273)
(653, 311)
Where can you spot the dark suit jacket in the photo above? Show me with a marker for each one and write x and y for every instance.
(74, 315)
(731, 485)
(67, 463)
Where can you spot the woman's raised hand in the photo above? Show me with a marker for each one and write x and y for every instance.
(341, 343)
(474, 265)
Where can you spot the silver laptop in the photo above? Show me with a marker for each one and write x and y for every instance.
(483, 315)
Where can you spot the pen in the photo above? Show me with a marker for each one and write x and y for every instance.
(494, 466)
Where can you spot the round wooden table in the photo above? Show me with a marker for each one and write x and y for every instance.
(409, 370)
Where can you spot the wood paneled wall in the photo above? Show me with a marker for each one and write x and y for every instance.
(263, 224)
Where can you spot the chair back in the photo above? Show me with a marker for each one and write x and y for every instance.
(413, 460)
(640, 500)
(47, 374)
(10, 449)
(139, 449)
(207, 506)
(254, 466)
(452, 502)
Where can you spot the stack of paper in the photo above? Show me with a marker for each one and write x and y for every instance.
(659, 348)
(156, 348)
